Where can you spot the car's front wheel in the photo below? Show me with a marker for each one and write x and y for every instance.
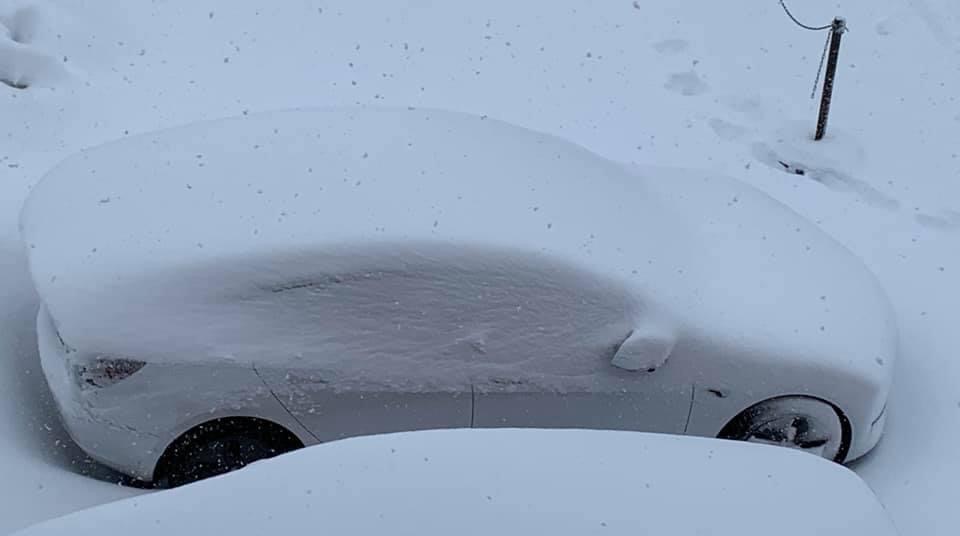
(798, 422)
(220, 446)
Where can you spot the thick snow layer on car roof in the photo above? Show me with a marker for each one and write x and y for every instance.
(281, 182)
(169, 217)
(509, 482)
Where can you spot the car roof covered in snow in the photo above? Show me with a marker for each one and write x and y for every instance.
(509, 482)
(709, 250)
(296, 179)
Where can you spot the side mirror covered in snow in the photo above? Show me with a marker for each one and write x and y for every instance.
(645, 349)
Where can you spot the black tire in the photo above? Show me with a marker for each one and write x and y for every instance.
(220, 446)
(800, 411)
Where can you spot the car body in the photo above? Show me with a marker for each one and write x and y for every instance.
(344, 272)
(564, 482)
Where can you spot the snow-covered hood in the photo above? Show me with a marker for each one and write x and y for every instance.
(771, 287)
(725, 261)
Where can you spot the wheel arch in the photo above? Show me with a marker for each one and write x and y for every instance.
(289, 439)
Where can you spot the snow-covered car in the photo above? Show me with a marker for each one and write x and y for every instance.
(229, 290)
(560, 482)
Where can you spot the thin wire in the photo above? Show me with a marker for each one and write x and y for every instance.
(802, 25)
(816, 81)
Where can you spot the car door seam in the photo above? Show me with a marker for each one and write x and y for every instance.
(693, 394)
(282, 405)
(473, 404)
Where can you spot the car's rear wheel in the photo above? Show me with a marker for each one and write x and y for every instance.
(220, 446)
(798, 422)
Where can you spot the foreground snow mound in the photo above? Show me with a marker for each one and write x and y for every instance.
(509, 482)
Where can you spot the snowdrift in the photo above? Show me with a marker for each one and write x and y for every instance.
(509, 482)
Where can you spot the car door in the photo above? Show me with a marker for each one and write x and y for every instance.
(390, 338)
(348, 351)
(634, 387)
(331, 413)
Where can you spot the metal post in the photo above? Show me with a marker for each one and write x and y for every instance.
(836, 32)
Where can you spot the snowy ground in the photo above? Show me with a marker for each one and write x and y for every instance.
(723, 86)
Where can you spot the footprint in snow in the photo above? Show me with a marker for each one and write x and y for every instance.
(687, 84)
(884, 27)
(948, 220)
(21, 64)
(727, 131)
(751, 109)
(21, 25)
(828, 177)
(671, 46)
